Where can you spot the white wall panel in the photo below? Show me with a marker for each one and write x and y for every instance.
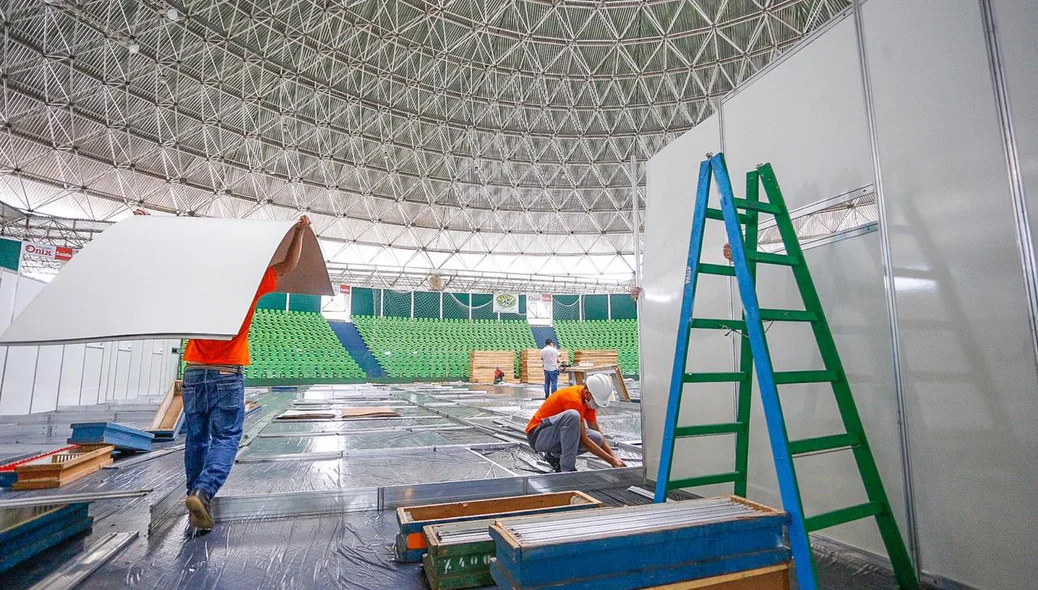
(46, 379)
(121, 371)
(1016, 22)
(16, 387)
(806, 117)
(849, 277)
(133, 388)
(969, 369)
(71, 384)
(671, 192)
(93, 355)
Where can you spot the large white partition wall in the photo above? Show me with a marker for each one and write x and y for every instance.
(42, 378)
(948, 393)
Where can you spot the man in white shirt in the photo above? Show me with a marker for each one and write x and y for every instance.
(550, 360)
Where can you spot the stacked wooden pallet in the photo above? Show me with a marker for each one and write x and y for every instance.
(483, 363)
(123, 438)
(595, 358)
(531, 369)
(61, 468)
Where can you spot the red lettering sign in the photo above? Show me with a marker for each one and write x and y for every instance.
(344, 289)
(62, 253)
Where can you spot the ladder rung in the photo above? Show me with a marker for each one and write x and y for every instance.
(769, 258)
(704, 480)
(708, 429)
(790, 377)
(787, 315)
(822, 443)
(717, 269)
(714, 377)
(718, 215)
(756, 206)
(841, 516)
(712, 324)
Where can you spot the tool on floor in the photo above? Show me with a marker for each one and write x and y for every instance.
(754, 350)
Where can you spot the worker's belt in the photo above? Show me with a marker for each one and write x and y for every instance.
(223, 369)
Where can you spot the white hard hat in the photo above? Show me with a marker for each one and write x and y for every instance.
(601, 388)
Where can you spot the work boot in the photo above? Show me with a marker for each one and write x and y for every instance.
(555, 462)
(197, 503)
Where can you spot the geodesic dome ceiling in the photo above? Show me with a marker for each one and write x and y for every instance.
(484, 139)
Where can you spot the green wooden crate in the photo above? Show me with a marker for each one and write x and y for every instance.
(459, 555)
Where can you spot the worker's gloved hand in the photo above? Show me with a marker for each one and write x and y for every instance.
(304, 222)
(616, 462)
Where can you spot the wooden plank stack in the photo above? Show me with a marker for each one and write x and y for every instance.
(637, 546)
(59, 469)
(411, 542)
(531, 369)
(483, 363)
(595, 357)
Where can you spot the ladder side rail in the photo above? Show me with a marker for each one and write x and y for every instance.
(745, 391)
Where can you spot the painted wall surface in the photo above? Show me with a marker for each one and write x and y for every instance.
(1016, 22)
(42, 378)
(671, 188)
(806, 117)
(965, 345)
(848, 275)
(967, 353)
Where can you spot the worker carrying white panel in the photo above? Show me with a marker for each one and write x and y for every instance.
(166, 277)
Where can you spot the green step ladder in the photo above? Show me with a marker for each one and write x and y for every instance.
(737, 214)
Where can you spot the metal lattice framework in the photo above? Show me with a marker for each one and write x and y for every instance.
(430, 137)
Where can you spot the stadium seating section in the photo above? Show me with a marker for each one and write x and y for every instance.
(434, 348)
(618, 335)
(297, 346)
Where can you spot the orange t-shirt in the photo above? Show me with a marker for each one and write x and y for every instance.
(236, 350)
(567, 398)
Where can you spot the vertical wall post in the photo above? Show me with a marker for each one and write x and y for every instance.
(441, 305)
(889, 290)
(412, 305)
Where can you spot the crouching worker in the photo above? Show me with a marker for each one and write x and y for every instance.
(566, 424)
(499, 376)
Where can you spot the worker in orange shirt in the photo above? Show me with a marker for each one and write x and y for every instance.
(214, 397)
(566, 423)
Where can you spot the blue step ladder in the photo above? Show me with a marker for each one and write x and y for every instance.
(740, 217)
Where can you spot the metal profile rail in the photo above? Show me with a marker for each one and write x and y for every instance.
(74, 572)
(72, 498)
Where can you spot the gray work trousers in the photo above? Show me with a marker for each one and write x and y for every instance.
(559, 435)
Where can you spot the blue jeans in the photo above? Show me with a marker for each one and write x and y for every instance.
(214, 411)
(551, 382)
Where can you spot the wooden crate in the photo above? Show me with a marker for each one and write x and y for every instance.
(27, 532)
(59, 469)
(531, 369)
(595, 357)
(411, 543)
(457, 562)
(628, 554)
(170, 415)
(483, 363)
(775, 577)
